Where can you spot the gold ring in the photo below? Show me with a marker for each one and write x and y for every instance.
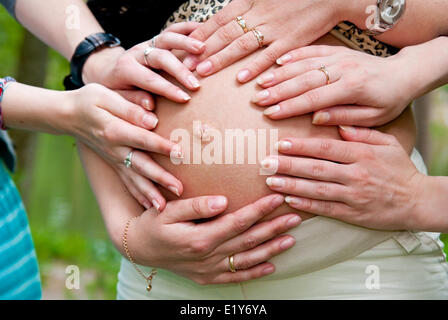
(242, 23)
(324, 70)
(259, 36)
(146, 54)
(231, 265)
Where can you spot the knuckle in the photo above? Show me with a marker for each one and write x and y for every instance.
(312, 97)
(250, 242)
(286, 164)
(220, 19)
(317, 169)
(225, 35)
(243, 44)
(322, 189)
(271, 55)
(327, 207)
(240, 224)
(196, 207)
(200, 247)
(325, 147)
(243, 263)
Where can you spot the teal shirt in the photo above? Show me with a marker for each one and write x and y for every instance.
(7, 151)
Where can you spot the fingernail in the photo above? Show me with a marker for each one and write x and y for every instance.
(268, 270)
(156, 205)
(204, 68)
(147, 205)
(177, 152)
(269, 163)
(272, 110)
(198, 45)
(243, 75)
(321, 117)
(348, 129)
(183, 95)
(190, 62)
(217, 203)
(146, 104)
(283, 59)
(277, 201)
(260, 96)
(194, 82)
(150, 121)
(266, 78)
(288, 243)
(292, 200)
(275, 182)
(283, 145)
(174, 190)
(293, 222)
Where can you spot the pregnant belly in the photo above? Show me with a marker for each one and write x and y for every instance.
(222, 108)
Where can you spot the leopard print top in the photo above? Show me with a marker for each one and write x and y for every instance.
(349, 34)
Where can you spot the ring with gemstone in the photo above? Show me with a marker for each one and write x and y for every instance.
(146, 54)
(128, 160)
(242, 23)
(325, 71)
(259, 36)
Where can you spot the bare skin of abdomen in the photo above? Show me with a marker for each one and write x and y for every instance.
(222, 103)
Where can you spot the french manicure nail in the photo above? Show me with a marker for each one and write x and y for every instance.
(260, 96)
(243, 75)
(149, 121)
(292, 222)
(348, 129)
(190, 62)
(268, 270)
(217, 203)
(146, 104)
(269, 163)
(321, 117)
(288, 243)
(194, 82)
(266, 78)
(174, 190)
(204, 68)
(184, 95)
(156, 205)
(275, 182)
(271, 110)
(292, 201)
(284, 59)
(176, 152)
(283, 145)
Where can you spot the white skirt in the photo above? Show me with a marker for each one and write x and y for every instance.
(330, 260)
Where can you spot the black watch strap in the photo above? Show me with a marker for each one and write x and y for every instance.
(82, 52)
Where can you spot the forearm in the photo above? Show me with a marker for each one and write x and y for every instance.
(62, 24)
(31, 108)
(115, 202)
(421, 22)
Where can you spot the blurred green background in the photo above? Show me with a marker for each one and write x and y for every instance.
(65, 220)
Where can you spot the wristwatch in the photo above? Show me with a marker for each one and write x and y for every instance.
(388, 14)
(89, 45)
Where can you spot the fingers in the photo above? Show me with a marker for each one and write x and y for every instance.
(229, 13)
(366, 135)
(274, 77)
(322, 208)
(308, 52)
(168, 62)
(260, 254)
(125, 110)
(307, 168)
(310, 101)
(142, 189)
(260, 233)
(134, 137)
(236, 50)
(232, 224)
(308, 188)
(291, 88)
(194, 209)
(350, 115)
(139, 97)
(328, 149)
(185, 28)
(173, 40)
(145, 166)
(256, 272)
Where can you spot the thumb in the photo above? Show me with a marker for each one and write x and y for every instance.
(194, 209)
(366, 135)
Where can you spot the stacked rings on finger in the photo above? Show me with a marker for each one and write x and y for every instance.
(242, 24)
(327, 75)
(231, 264)
(128, 160)
(259, 36)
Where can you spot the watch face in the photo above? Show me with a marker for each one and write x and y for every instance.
(392, 10)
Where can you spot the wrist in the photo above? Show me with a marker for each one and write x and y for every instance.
(96, 66)
(356, 11)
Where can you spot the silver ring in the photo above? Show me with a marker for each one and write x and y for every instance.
(146, 54)
(259, 36)
(128, 160)
(153, 42)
